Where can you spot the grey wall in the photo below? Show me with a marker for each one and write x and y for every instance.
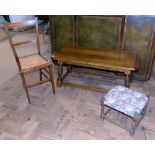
(20, 18)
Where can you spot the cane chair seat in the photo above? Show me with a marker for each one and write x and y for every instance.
(32, 61)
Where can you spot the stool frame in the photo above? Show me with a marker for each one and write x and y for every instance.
(135, 119)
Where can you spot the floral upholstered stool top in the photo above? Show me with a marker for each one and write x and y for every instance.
(126, 101)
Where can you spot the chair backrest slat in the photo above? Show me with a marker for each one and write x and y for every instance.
(30, 23)
(20, 24)
(24, 42)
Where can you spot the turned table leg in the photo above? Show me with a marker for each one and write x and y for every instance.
(69, 69)
(60, 72)
(127, 80)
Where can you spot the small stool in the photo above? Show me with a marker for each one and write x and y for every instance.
(126, 101)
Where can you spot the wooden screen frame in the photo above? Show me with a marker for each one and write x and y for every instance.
(121, 34)
(75, 30)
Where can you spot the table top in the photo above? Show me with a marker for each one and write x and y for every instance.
(97, 58)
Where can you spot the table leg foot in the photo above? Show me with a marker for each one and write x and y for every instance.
(58, 83)
(127, 80)
(60, 72)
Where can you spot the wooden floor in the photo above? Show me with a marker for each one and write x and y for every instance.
(70, 114)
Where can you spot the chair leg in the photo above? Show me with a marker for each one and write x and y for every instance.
(51, 78)
(25, 87)
(40, 71)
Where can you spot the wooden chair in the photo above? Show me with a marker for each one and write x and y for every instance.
(33, 62)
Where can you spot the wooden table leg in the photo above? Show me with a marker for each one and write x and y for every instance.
(60, 72)
(127, 80)
(69, 68)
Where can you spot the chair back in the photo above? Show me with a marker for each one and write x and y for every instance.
(9, 27)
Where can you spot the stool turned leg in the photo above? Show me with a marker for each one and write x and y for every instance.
(144, 110)
(136, 118)
(132, 131)
(102, 109)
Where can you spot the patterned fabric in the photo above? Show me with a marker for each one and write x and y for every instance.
(125, 100)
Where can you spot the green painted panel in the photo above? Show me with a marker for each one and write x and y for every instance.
(63, 31)
(138, 39)
(98, 32)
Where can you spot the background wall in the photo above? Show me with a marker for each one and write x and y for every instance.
(19, 18)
